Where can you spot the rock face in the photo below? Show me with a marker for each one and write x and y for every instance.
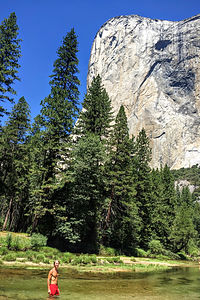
(152, 67)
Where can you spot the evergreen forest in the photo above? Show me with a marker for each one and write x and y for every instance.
(77, 177)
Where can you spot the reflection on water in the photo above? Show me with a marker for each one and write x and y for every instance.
(178, 283)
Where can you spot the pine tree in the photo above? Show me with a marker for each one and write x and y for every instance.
(86, 196)
(35, 208)
(121, 222)
(170, 200)
(60, 108)
(159, 218)
(64, 77)
(9, 55)
(142, 157)
(58, 115)
(96, 116)
(183, 229)
(196, 218)
(85, 182)
(14, 158)
(186, 196)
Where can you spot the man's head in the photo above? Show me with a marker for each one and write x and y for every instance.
(56, 263)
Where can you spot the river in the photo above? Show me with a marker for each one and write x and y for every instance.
(178, 283)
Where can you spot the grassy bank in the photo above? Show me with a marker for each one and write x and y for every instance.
(101, 266)
(21, 250)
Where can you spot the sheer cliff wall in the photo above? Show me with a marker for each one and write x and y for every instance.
(152, 67)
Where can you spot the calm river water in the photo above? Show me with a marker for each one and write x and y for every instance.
(178, 283)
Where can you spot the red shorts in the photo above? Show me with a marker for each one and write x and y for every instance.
(54, 290)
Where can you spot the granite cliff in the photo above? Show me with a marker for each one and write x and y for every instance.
(152, 67)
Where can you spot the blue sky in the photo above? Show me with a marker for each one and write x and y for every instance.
(44, 23)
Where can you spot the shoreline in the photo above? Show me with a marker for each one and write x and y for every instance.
(139, 265)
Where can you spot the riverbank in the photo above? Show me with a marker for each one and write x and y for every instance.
(20, 250)
(126, 265)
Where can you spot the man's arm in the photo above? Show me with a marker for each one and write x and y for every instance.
(48, 281)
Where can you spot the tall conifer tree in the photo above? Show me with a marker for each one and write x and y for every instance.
(88, 159)
(183, 229)
(170, 200)
(86, 196)
(9, 56)
(121, 221)
(142, 171)
(158, 216)
(14, 164)
(36, 205)
(96, 115)
(58, 115)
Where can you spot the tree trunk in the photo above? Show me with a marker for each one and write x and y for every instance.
(34, 224)
(109, 209)
(7, 215)
(11, 221)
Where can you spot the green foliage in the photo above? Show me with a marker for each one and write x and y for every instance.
(20, 254)
(96, 115)
(156, 247)
(107, 251)
(83, 260)
(115, 259)
(86, 194)
(30, 255)
(182, 255)
(21, 244)
(15, 242)
(121, 224)
(141, 172)
(9, 257)
(40, 257)
(169, 254)
(9, 240)
(46, 261)
(3, 241)
(68, 230)
(68, 257)
(60, 108)
(85, 177)
(141, 252)
(163, 204)
(38, 240)
(192, 249)
(192, 175)
(9, 54)
(14, 166)
(183, 229)
(93, 259)
(36, 176)
(50, 139)
(133, 259)
(3, 250)
(64, 77)
(50, 252)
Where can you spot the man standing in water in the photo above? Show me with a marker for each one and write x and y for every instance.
(52, 281)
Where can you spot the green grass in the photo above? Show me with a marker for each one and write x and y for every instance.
(163, 260)
(16, 248)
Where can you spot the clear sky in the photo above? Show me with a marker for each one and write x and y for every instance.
(44, 23)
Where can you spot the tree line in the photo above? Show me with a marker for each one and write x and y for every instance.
(78, 177)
